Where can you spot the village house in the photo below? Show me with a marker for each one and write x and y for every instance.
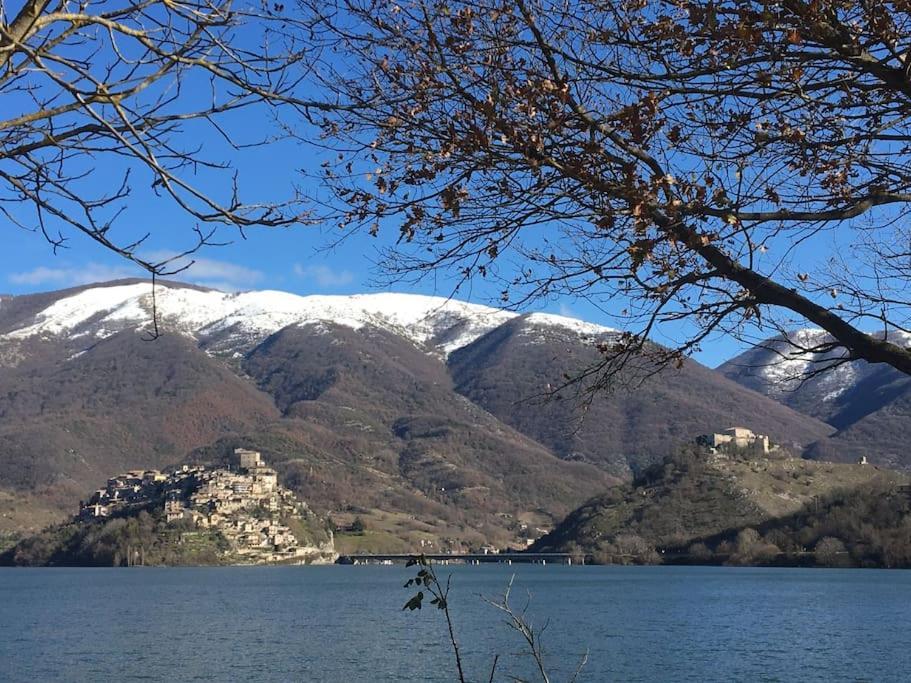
(93, 510)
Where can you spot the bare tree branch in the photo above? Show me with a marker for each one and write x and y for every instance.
(138, 84)
(688, 166)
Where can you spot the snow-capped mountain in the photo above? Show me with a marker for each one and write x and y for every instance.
(800, 370)
(869, 404)
(410, 405)
(784, 368)
(237, 321)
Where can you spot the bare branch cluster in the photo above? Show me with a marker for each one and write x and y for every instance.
(519, 622)
(683, 162)
(135, 87)
(426, 579)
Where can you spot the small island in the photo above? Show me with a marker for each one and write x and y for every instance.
(189, 515)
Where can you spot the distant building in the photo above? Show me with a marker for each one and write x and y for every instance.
(173, 507)
(247, 459)
(736, 437)
(153, 477)
(93, 510)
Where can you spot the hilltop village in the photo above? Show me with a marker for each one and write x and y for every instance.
(245, 504)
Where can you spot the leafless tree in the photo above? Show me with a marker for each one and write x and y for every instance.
(137, 86)
(519, 621)
(726, 167)
(438, 596)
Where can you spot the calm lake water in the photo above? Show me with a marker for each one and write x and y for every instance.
(346, 624)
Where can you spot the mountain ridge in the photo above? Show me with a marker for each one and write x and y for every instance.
(622, 431)
(404, 410)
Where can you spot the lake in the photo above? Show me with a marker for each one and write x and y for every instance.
(346, 624)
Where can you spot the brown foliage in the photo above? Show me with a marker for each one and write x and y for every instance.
(669, 156)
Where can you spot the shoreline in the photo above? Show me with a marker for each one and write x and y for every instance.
(458, 564)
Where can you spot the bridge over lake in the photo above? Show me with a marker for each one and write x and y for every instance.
(466, 558)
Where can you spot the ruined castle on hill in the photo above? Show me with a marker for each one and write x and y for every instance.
(245, 504)
(737, 438)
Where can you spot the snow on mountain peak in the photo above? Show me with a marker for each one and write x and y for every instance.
(805, 353)
(572, 324)
(228, 321)
(100, 311)
(789, 358)
(70, 313)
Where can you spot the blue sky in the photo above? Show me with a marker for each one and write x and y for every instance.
(296, 259)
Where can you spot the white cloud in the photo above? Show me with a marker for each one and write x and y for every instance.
(230, 274)
(208, 272)
(72, 276)
(324, 277)
(566, 311)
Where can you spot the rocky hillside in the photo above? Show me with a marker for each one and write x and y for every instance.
(869, 405)
(407, 411)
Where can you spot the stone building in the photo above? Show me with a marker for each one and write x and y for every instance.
(736, 437)
(247, 459)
